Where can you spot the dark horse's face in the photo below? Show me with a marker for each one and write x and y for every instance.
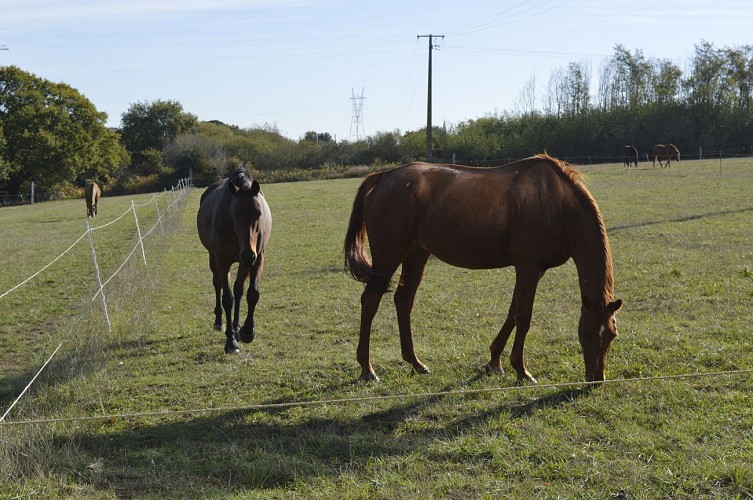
(247, 213)
(596, 331)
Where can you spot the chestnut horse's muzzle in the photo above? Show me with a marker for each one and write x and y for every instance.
(248, 257)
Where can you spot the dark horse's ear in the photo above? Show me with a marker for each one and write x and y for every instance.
(255, 187)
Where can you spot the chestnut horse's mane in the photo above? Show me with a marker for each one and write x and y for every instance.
(577, 178)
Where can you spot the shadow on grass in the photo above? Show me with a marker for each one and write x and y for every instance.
(254, 450)
(686, 218)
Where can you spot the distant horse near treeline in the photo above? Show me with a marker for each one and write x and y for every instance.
(629, 155)
(92, 194)
(665, 151)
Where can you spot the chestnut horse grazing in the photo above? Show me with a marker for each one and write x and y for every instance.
(234, 224)
(92, 194)
(533, 214)
(629, 155)
(665, 150)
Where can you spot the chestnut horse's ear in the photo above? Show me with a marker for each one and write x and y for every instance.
(614, 306)
(255, 187)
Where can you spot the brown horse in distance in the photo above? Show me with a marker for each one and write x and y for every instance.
(234, 223)
(629, 155)
(665, 150)
(92, 194)
(533, 214)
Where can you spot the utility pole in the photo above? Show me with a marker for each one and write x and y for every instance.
(428, 104)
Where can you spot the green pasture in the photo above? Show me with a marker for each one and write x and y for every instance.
(180, 419)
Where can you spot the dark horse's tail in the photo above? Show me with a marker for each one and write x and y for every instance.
(357, 262)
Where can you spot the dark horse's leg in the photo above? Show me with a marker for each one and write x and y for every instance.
(240, 281)
(518, 317)
(410, 278)
(217, 282)
(223, 271)
(247, 332)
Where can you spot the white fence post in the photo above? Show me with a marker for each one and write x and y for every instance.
(159, 217)
(138, 230)
(96, 271)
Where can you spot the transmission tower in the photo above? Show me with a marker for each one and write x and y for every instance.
(357, 131)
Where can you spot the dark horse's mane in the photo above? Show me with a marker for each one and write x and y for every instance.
(576, 179)
(241, 179)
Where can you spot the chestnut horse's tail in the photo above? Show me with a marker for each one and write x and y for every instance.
(357, 262)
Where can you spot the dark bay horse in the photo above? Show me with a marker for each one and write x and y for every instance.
(92, 194)
(234, 224)
(533, 214)
(665, 150)
(629, 155)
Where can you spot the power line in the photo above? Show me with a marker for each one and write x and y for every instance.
(487, 24)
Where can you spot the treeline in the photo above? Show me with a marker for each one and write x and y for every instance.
(52, 135)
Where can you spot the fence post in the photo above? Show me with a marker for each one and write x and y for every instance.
(159, 216)
(138, 230)
(96, 272)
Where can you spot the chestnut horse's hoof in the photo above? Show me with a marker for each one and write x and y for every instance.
(421, 370)
(232, 346)
(369, 377)
(527, 378)
(247, 334)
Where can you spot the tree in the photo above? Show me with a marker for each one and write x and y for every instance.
(194, 153)
(150, 126)
(51, 134)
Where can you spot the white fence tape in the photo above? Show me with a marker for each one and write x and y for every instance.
(182, 184)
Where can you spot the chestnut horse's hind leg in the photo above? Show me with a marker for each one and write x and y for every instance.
(247, 332)
(499, 342)
(370, 299)
(410, 278)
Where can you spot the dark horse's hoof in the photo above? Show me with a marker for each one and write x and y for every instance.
(247, 334)
(218, 327)
(232, 346)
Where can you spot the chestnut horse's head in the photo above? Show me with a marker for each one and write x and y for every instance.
(596, 331)
(247, 210)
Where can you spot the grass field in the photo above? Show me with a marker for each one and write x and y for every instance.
(681, 240)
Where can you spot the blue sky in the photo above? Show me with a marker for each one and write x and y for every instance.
(294, 64)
